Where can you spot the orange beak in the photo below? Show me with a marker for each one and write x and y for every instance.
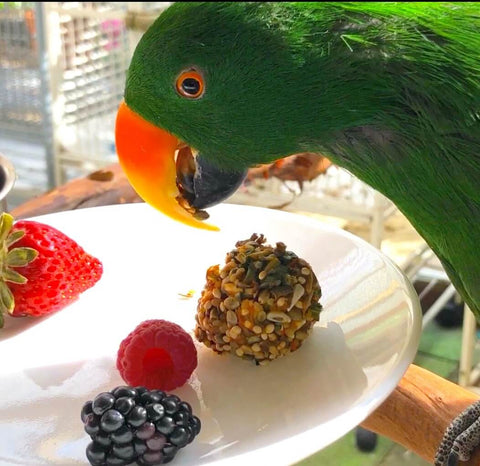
(147, 156)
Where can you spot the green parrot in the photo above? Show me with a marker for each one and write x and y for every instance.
(388, 91)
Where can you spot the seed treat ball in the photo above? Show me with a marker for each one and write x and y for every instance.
(261, 305)
(131, 424)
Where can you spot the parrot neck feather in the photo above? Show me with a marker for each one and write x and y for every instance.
(434, 185)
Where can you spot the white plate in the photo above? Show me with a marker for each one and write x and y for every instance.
(367, 336)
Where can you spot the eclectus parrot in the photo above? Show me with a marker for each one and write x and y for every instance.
(388, 91)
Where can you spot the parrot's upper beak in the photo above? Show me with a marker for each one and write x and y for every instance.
(167, 174)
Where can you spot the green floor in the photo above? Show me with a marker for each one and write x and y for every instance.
(438, 352)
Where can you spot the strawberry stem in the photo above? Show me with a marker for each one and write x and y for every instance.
(6, 222)
(20, 257)
(15, 257)
(6, 297)
(14, 237)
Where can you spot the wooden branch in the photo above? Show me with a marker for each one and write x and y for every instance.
(104, 187)
(417, 412)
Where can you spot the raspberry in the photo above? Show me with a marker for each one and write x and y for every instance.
(135, 424)
(157, 354)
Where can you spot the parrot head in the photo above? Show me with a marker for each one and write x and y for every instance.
(215, 88)
(201, 105)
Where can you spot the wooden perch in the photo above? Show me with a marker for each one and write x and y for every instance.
(419, 410)
(104, 187)
(415, 415)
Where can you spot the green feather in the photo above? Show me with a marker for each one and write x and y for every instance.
(389, 91)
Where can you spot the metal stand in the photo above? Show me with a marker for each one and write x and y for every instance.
(468, 375)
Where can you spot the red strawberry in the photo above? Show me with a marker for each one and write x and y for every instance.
(158, 355)
(42, 269)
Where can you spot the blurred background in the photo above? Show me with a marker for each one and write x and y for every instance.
(62, 74)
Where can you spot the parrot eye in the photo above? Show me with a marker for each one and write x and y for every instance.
(190, 84)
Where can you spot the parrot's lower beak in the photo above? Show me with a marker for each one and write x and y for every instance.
(166, 173)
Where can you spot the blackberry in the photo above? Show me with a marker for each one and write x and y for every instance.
(134, 424)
